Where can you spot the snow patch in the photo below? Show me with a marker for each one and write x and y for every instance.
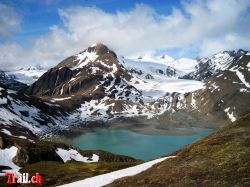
(72, 154)
(242, 78)
(102, 180)
(60, 99)
(84, 58)
(6, 159)
(230, 114)
(244, 90)
(5, 131)
(3, 100)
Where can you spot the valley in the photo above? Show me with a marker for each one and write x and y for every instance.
(96, 104)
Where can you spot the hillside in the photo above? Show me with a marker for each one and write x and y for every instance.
(22, 151)
(221, 159)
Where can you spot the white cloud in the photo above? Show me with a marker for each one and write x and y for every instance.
(209, 26)
(9, 21)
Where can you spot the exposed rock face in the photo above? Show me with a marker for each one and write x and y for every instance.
(22, 157)
(80, 73)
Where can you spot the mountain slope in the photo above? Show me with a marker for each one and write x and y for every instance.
(10, 82)
(227, 93)
(96, 84)
(221, 159)
(209, 67)
(17, 109)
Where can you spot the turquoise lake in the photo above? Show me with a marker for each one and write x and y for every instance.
(136, 145)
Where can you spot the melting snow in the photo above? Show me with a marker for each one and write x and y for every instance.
(244, 90)
(102, 180)
(84, 58)
(72, 154)
(3, 100)
(242, 78)
(230, 115)
(60, 99)
(5, 131)
(6, 159)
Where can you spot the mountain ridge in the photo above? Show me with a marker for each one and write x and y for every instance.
(99, 85)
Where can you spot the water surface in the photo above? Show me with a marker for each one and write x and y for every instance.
(139, 146)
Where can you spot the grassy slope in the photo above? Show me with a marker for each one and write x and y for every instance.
(221, 159)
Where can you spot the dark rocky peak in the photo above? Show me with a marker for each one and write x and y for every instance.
(241, 52)
(99, 49)
(80, 74)
(95, 53)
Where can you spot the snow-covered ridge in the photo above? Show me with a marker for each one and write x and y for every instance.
(163, 59)
(182, 65)
(102, 180)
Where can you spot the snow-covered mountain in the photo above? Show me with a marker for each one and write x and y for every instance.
(208, 67)
(163, 59)
(27, 75)
(97, 84)
(11, 82)
(182, 66)
(29, 113)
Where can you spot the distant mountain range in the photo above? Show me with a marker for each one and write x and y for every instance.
(98, 84)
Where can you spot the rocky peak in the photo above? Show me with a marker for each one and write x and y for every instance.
(91, 74)
(208, 67)
(99, 49)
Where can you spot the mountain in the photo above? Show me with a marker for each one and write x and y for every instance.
(98, 87)
(220, 159)
(183, 65)
(208, 67)
(157, 59)
(10, 82)
(97, 84)
(29, 113)
(226, 91)
(27, 75)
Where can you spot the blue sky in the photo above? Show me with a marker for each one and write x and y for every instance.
(46, 31)
(39, 15)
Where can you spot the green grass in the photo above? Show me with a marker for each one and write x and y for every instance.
(56, 173)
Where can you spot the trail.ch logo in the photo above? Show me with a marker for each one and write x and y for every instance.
(23, 179)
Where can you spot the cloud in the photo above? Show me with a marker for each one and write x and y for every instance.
(9, 21)
(207, 26)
